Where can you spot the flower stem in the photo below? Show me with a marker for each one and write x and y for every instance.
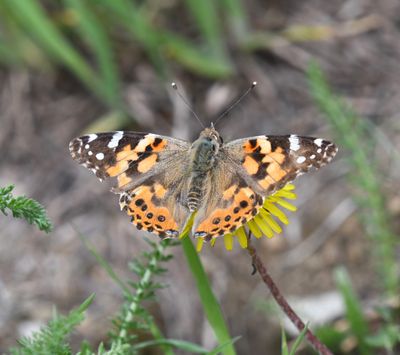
(208, 300)
(287, 309)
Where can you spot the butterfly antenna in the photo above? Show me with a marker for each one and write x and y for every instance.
(241, 97)
(175, 87)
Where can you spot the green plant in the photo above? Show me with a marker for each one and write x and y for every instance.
(296, 344)
(354, 312)
(51, 339)
(23, 207)
(133, 318)
(359, 328)
(354, 136)
(387, 335)
(210, 304)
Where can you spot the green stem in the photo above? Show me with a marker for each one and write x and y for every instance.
(210, 304)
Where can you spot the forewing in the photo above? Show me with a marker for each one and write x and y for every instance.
(150, 171)
(270, 162)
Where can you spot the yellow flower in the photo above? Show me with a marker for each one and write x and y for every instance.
(264, 223)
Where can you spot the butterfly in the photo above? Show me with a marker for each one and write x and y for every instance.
(162, 181)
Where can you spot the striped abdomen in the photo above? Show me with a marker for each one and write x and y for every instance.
(196, 190)
(203, 152)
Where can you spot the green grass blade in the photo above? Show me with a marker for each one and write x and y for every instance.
(296, 344)
(37, 25)
(179, 344)
(298, 340)
(93, 32)
(208, 21)
(220, 348)
(8, 55)
(130, 16)
(233, 9)
(284, 345)
(104, 264)
(210, 304)
(180, 50)
(354, 312)
(161, 45)
(158, 336)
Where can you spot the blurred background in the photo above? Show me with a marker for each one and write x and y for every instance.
(69, 67)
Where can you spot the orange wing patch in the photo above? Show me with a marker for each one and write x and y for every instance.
(245, 204)
(141, 157)
(263, 163)
(251, 165)
(259, 145)
(228, 193)
(277, 156)
(118, 168)
(146, 164)
(146, 214)
(127, 152)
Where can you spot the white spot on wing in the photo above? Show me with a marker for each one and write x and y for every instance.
(100, 156)
(92, 137)
(300, 160)
(319, 150)
(115, 139)
(90, 153)
(312, 156)
(294, 143)
(87, 146)
(318, 141)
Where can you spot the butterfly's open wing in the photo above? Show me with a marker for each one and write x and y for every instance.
(150, 172)
(249, 170)
(269, 162)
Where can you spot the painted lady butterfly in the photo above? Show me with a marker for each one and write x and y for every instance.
(162, 180)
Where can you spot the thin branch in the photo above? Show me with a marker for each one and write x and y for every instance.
(286, 308)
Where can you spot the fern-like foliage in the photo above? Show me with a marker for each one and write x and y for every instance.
(133, 317)
(51, 339)
(23, 207)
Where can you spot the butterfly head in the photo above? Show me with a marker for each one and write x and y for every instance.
(211, 135)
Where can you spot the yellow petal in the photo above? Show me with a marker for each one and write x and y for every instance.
(241, 236)
(272, 223)
(286, 205)
(265, 228)
(254, 229)
(270, 207)
(289, 187)
(228, 240)
(199, 246)
(286, 194)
